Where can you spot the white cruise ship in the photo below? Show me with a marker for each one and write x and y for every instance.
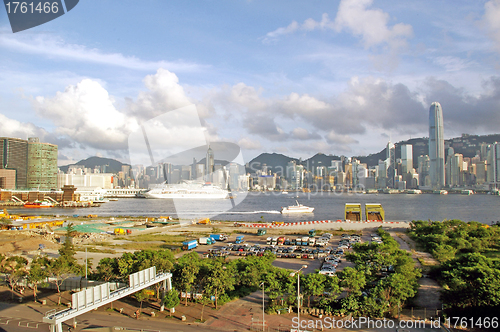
(187, 190)
(299, 208)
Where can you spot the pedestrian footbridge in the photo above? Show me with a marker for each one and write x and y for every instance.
(95, 297)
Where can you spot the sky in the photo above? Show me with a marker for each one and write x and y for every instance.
(286, 76)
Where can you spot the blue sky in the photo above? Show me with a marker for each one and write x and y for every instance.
(294, 77)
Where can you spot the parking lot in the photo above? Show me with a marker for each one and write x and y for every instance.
(289, 256)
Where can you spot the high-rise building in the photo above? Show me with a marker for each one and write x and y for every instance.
(14, 156)
(493, 165)
(42, 165)
(391, 164)
(209, 165)
(436, 146)
(406, 158)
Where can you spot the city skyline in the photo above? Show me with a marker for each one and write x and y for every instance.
(340, 77)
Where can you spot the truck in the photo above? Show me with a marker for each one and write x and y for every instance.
(274, 241)
(206, 240)
(240, 239)
(305, 240)
(312, 241)
(281, 240)
(261, 231)
(269, 240)
(188, 245)
(119, 231)
(218, 237)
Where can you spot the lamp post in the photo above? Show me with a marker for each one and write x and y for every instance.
(263, 326)
(298, 291)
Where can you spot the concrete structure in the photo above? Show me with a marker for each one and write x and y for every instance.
(42, 165)
(436, 146)
(14, 156)
(7, 178)
(493, 165)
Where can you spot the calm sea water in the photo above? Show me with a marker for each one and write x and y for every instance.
(328, 206)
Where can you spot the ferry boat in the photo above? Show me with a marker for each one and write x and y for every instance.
(299, 208)
(38, 204)
(187, 190)
(440, 192)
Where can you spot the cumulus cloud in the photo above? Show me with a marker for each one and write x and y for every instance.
(370, 24)
(13, 128)
(85, 112)
(356, 17)
(164, 94)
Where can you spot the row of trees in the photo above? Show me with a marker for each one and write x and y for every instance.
(469, 278)
(446, 239)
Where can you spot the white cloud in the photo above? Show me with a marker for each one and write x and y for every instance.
(356, 17)
(309, 25)
(54, 47)
(164, 94)
(370, 24)
(13, 128)
(85, 112)
(249, 144)
(491, 20)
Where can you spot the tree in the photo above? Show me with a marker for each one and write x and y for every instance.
(185, 272)
(314, 285)
(36, 275)
(203, 301)
(67, 251)
(15, 268)
(61, 269)
(219, 279)
(141, 296)
(353, 280)
(171, 300)
(107, 269)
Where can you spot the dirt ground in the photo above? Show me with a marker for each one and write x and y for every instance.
(17, 242)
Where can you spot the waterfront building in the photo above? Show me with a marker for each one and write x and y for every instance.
(493, 165)
(80, 179)
(42, 165)
(436, 146)
(14, 156)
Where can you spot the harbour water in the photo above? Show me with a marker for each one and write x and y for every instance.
(328, 206)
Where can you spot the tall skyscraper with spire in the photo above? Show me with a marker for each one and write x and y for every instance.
(436, 146)
(209, 163)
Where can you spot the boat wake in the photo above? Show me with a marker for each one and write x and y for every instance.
(232, 212)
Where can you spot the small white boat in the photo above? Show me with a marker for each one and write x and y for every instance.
(284, 192)
(299, 208)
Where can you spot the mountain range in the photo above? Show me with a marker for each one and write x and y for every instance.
(467, 145)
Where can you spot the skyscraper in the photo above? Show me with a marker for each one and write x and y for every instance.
(436, 146)
(209, 162)
(14, 156)
(407, 158)
(42, 165)
(390, 151)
